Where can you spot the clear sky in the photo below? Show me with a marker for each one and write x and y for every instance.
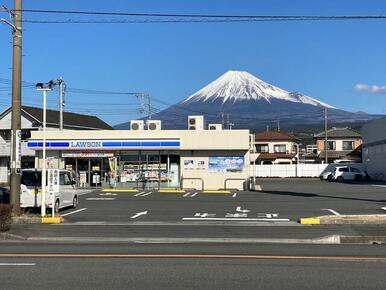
(324, 60)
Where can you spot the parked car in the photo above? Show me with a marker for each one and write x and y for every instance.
(344, 173)
(326, 175)
(30, 190)
(4, 195)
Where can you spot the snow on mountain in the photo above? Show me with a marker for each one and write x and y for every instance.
(233, 86)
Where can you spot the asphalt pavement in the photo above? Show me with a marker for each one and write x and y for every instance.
(272, 213)
(190, 266)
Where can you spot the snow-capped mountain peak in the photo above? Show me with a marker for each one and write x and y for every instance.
(240, 85)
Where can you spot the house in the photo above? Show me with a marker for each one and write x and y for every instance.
(275, 147)
(374, 149)
(32, 120)
(343, 145)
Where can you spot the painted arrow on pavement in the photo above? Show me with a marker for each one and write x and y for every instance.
(139, 214)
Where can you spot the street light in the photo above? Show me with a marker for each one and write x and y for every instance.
(44, 88)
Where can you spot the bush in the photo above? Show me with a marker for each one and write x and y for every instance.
(5, 217)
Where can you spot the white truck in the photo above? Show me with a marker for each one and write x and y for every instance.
(30, 190)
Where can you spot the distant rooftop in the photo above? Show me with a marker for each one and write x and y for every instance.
(275, 136)
(345, 132)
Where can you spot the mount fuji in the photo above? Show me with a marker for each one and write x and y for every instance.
(239, 99)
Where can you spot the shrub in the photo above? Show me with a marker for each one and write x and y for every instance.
(5, 217)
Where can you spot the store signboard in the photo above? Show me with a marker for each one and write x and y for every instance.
(87, 154)
(53, 181)
(222, 164)
(159, 144)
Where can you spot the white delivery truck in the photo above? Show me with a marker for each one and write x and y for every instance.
(30, 190)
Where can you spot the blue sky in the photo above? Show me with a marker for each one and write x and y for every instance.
(324, 60)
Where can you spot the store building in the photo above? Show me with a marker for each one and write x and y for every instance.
(32, 120)
(195, 158)
(374, 149)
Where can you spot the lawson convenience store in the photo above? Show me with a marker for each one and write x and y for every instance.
(149, 159)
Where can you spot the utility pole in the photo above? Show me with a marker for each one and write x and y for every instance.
(325, 135)
(61, 101)
(16, 108)
(228, 124)
(149, 105)
(278, 125)
(222, 119)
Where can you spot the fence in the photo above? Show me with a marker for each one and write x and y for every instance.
(293, 170)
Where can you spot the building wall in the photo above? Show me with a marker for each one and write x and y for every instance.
(195, 145)
(213, 180)
(339, 143)
(374, 148)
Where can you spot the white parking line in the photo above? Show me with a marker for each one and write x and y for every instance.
(332, 211)
(194, 194)
(378, 185)
(234, 195)
(139, 193)
(75, 211)
(100, 198)
(147, 193)
(384, 208)
(17, 264)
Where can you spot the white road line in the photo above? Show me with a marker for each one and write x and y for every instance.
(234, 195)
(235, 219)
(147, 193)
(194, 194)
(17, 264)
(139, 193)
(332, 211)
(384, 208)
(378, 185)
(75, 211)
(186, 194)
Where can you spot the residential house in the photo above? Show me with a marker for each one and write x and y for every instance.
(31, 120)
(275, 147)
(343, 145)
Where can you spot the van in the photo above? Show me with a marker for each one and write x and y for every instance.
(30, 190)
(342, 173)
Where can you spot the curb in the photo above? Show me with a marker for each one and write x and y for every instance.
(375, 219)
(51, 220)
(216, 191)
(171, 191)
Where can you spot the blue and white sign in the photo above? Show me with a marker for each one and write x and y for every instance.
(154, 144)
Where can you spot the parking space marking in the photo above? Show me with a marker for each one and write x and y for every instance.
(378, 185)
(234, 195)
(383, 208)
(146, 194)
(139, 193)
(79, 210)
(190, 194)
(332, 211)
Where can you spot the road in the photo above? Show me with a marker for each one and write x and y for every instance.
(190, 266)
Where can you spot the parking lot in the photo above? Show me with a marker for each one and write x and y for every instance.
(280, 201)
